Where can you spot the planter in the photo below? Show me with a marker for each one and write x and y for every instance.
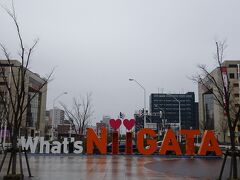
(13, 177)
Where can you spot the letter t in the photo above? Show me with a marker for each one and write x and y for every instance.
(190, 149)
(65, 145)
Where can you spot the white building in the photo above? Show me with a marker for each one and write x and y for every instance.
(211, 114)
(106, 120)
(58, 116)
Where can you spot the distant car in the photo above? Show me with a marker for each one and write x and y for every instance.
(224, 147)
(159, 143)
(122, 146)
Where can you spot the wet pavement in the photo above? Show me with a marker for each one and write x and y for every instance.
(120, 167)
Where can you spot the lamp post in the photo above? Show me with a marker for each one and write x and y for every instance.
(179, 115)
(144, 97)
(54, 111)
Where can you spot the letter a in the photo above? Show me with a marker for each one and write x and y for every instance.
(170, 143)
(209, 143)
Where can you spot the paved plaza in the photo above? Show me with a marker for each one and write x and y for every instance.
(120, 167)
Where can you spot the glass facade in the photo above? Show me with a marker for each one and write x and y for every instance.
(168, 105)
(33, 110)
(208, 122)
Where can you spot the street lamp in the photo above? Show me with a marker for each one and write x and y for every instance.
(144, 97)
(179, 115)
(54, 111)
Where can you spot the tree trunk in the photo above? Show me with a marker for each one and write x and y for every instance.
(234, 158)
(14, 151)
(224, 137)
(14, 148)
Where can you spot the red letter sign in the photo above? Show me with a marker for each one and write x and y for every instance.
(190, 149)
(209, 143)
(170, 143)
(101, 143)
(151, 142)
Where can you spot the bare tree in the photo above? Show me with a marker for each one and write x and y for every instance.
(221, 88)
(223, 124)
(3, 116)
(203, 124)
(14, 95)
(3, 110)
(81, 113)
(206, 123)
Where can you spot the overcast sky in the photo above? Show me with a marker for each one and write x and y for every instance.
(97, 45)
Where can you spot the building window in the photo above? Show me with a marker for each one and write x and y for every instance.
(2, 72)
(236, 95)
(208, 111)
(232, 65)
(3, 83)
(33, 111)
(231, 75)
(235, 85)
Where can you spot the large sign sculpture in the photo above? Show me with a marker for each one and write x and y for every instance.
(147, 135)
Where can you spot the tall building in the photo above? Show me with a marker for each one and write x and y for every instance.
(99, 126)
(106, 120)
(58, 117)
(48, 125)
(166, 109)
(211, 114)
(33, 119)
(65, 129)
(104, 123)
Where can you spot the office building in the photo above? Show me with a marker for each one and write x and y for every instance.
(169, 109)
(33, 118)
(58, 117)
(65, 130)
(99, 126)
(211, 114)
(106, 120)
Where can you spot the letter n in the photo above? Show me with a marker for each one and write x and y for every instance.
(101, 143)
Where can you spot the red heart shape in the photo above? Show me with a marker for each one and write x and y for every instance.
(115, 124)
(129, 123)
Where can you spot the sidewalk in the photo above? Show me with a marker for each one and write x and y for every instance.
(100, 167)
